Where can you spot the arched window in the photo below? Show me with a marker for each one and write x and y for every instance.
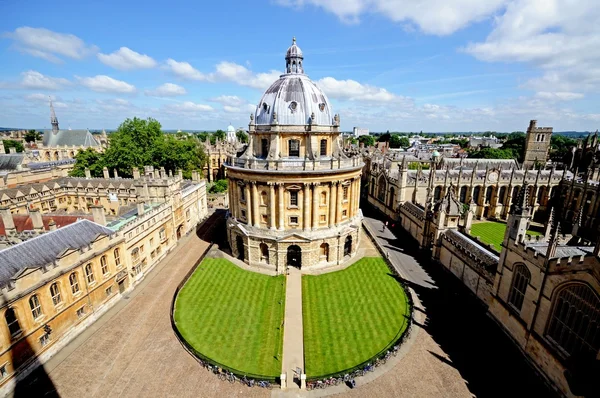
(117, 257)
(323, 147)
(89, 273)
(104, 265)
(521, 278)
(264, 253)
(575, 322)
(74, 281)
(324, 252)
(381, 189)
(55, 293)
(476, 194)
(323, 198)
(502, 195)
(488, 194)
(12, 322)
(437, 193)
(36, 307)
(263, 198)
(463, 194)
(264, 144)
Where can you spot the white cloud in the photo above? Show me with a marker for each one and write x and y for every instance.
(232, 100)
(167, 90)
(38, 97)
(44, 43)
(187, 107)
(35, 80)
(184, 70)
(127, 59)
(558, 95)
(439, 17)
(353, 90)
(106, 84)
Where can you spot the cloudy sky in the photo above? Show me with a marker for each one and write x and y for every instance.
(402, 65)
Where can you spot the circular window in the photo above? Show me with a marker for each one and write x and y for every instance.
(293, 106)
(322, 106)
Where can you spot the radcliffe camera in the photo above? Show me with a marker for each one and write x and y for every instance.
(300, 199)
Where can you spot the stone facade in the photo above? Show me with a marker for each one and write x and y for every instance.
(294, 193)
(537, 144)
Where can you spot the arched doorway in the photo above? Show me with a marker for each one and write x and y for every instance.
(179, 231)
(264, 253)
(294, 256)
(239, 242)
(348, 245)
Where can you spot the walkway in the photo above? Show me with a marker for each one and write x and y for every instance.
(132, 350)
(293, 336)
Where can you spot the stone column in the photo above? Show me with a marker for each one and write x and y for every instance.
(357, 203)
(315, 206)
(271, 205)
(235, 205)
(248, 204)
(280, 202)
(255, 211)
(338, 209)
(332, 201)
(306, 213)
(230, 194)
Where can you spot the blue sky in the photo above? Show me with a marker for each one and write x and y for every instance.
(402, 65)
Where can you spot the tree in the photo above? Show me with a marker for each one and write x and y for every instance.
(241, 136)
(366, 140)
(218, 187)
(561, 145)
(174, 154)
(32, 136)
(384, 137)
(13, 144)
(89, 159)
(202, 136)
(396, 141)
(492, 153)
(220, 134)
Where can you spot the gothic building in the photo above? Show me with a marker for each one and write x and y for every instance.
(294, 193)
(537, 144)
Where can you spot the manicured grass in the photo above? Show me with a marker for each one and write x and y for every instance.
(351, 315)
(493, 232)
(233, 316)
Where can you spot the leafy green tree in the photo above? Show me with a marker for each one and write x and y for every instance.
(220, 134)
(396, 141)
(89, 159)
(561, 145)
(218, 187)
(202, 136)
(32, 136)
(174, 154)
(13, 144)
(241, 136)
(492, 153)
(384, 137)
(366, 140)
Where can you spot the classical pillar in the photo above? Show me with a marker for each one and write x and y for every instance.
(357, 203)
(232, 205)
(255, 212)
(306, 214)
(315, 206)
(338, 210)
(272, 205)
(332, 202)
(248, 204)
(280, 202)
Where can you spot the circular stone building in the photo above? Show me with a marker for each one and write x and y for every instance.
(293, 193)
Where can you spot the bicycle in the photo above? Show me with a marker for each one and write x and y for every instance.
(264, 384)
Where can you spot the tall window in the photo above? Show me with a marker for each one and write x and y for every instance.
(324, 252)
(345, 191)
(392, 198)
(323, 198)
(476, 194)
(264, 253)
(263, 198)
(381, 189)
(264, 147)
(36, 307)
(437, 193)
(117, 257)
(521, 278)
(488, 194)
(323, 147)
(293, 198)
(242, 194)
(294, 148)
(55, 293)
(104, 265)
(89, 273)
(74, 283)
(463, 194)
(502, 196)
(12, 322)
(575, 322)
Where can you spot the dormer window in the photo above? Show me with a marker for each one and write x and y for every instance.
(322, 107)
(265, 107)
(293, 106)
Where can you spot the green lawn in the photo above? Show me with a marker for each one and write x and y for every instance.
(351, 315)
(493, 232)
(233, 316)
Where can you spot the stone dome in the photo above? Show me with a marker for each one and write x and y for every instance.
(230, 129)
(293, 98)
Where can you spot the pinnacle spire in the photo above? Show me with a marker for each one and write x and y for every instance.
(53, 119)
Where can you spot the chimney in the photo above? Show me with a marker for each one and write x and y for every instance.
(7, 220)
(195, 176)
(136, 173)
(105, 173)
(140, 208)
(88, 174)
(116, 174)
(52, 225)
(36, 220)
(12, 150)
(98, 214)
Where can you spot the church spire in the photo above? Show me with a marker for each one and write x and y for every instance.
(53, 119)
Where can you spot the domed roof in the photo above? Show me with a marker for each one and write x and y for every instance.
(230, 129)
(293, 98)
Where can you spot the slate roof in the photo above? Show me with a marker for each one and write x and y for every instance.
(44, 249)
(69, 138)
(11, 161)
(562, 251)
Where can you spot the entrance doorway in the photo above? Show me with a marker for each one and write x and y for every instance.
(294, 256)
(121, 287)
(239, 242)
(348, 246)
(179, 231)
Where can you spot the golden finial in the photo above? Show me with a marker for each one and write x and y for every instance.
(294, 40)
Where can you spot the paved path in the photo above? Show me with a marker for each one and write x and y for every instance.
(293, 336)
(132, 350)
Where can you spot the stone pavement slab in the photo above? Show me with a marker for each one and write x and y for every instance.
(293, 333)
